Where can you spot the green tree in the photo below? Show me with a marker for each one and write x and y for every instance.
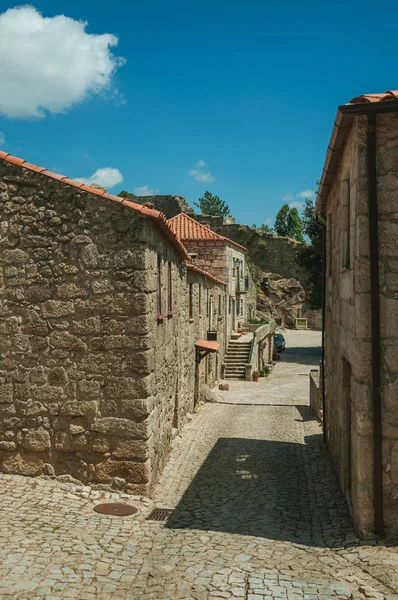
(264, 227)
(212, 205)
(288, 223)
(310, 256)
(280, 225)
(126, 194)
(295, 225)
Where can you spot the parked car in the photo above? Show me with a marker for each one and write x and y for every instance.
(280, 343)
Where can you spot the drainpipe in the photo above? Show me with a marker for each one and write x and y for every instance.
(323, 324)
(375, 325)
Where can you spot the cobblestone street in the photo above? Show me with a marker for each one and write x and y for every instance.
(258, 514)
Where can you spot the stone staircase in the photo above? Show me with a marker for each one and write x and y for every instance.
(236, 359)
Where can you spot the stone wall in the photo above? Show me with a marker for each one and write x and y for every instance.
(348, 369)
(315, 393)
(91, 382)
(169, 205)
(262, 348)
(347, 344)
(314, 318)
(387, 187)
(271, 253)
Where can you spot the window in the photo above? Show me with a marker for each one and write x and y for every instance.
(169, 290)
(219, 306)
(191, 301)
(160, 316)
(237, 307)
(200, 299)
(207, 303)
(241, 268)
(241, 307)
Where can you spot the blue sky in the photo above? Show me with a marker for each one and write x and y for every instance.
(248, 88)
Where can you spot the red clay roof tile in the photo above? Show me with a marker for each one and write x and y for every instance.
(154, 214)
(364, 98)
(187, 229)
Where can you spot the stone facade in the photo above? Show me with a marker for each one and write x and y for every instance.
(97, 359)
(348, 365)
(269, 252)
(228, 262)
(225, 260)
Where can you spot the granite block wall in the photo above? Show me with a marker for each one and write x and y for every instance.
(91, 380)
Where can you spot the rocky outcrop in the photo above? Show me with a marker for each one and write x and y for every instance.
(279, 297)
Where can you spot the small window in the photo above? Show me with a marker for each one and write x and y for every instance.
(237, 307)
(159, 287)
(207, 303)
(219, 306)
(200, 299)
(169, 290)
(191, 301)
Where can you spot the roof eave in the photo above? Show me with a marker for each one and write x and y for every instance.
(341, 129)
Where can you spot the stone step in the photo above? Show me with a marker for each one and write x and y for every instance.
(235, 361)
(246, 348)
(226, 376)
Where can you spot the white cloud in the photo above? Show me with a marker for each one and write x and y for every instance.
(288, 197)
(200, 164)
(305, 194)
(2, 138)
(298, 205)
(268, 221)
(106, 177)
(145, 191)
(202, 175)
(50, 64)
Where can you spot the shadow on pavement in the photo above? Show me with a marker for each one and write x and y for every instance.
(304, 355)
(266, 489)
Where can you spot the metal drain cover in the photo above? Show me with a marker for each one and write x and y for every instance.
(160, 514)
(115, 508)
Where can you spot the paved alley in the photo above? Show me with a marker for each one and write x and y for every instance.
(257, 513)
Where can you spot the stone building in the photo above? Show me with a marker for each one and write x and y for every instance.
(270, 252)
(359, 195)
(101, 324)
(225, 259)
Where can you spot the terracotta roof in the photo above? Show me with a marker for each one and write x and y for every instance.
(365, 98)
(206, 345)
(341, 129)
(158, 216)
(205, 273)
(187, 229)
